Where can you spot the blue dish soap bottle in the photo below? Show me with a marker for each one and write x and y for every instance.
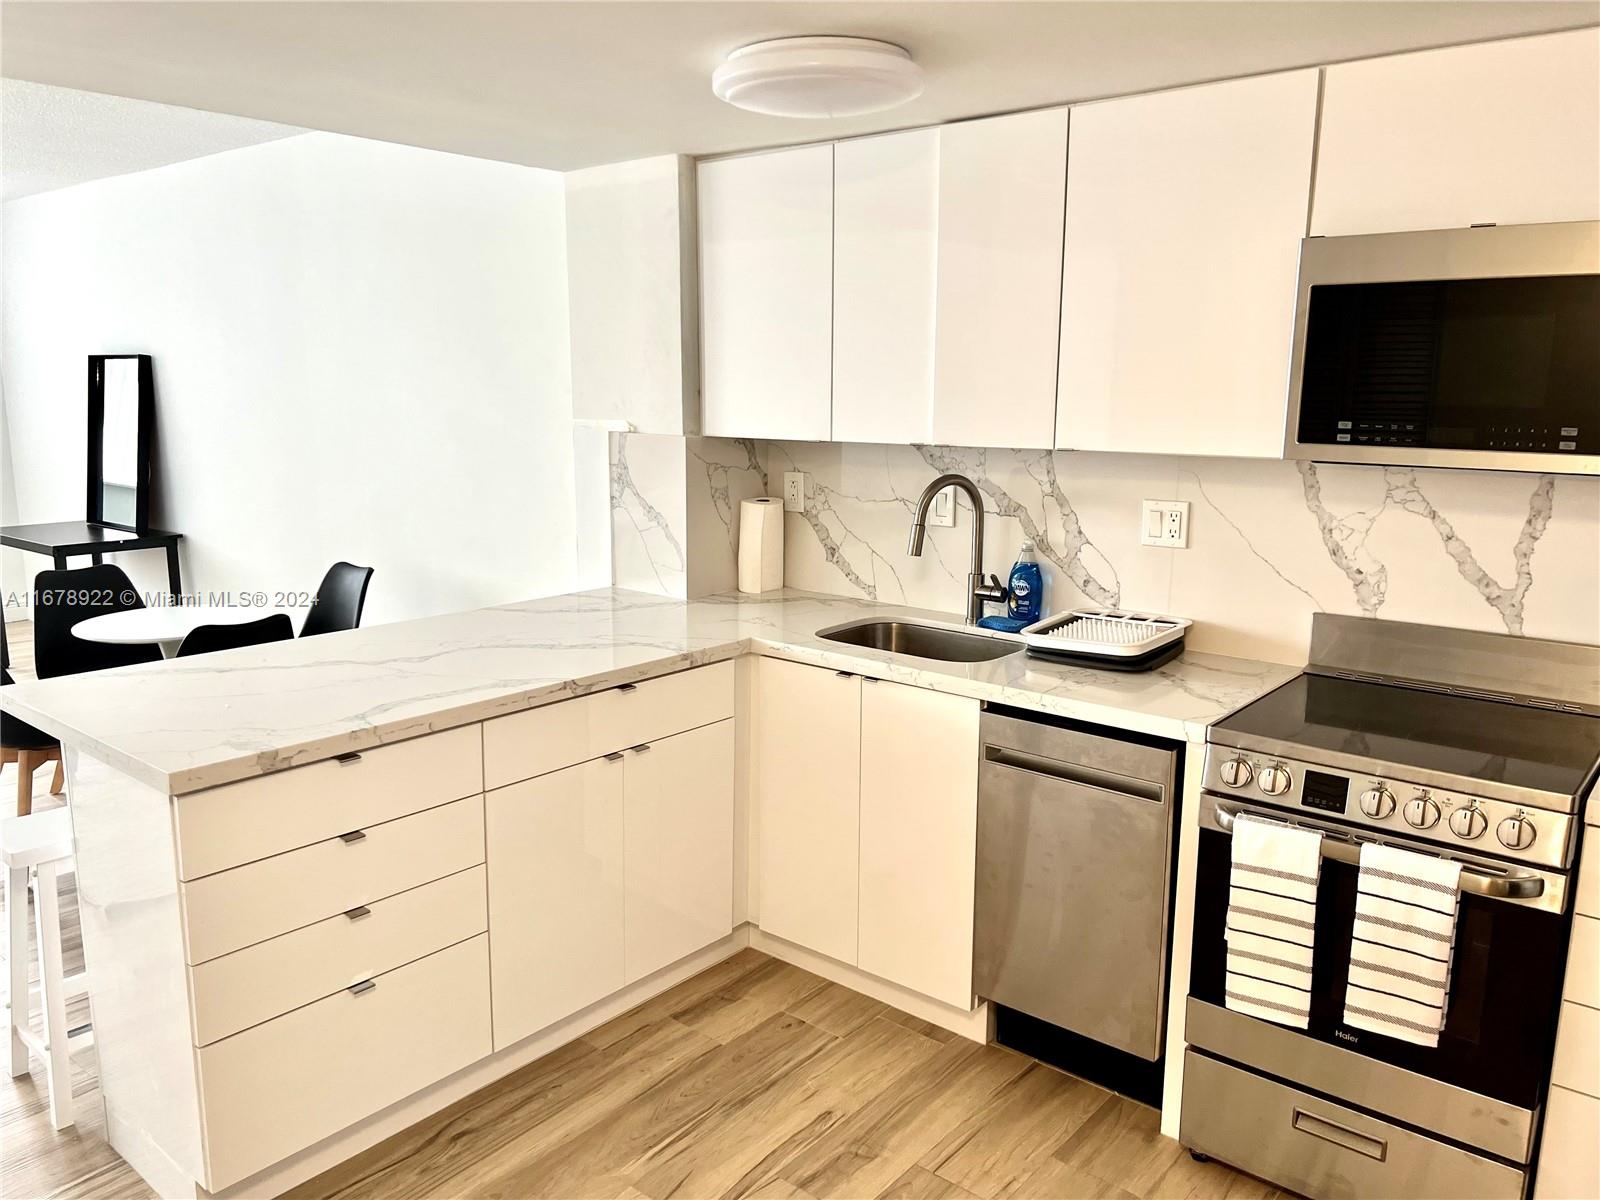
(1026, 602)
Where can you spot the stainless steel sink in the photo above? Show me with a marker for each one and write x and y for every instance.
(921, 641)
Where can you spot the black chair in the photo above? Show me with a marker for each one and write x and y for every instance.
(339, 600)
(61, 600)
(21, 743)
(207, 639)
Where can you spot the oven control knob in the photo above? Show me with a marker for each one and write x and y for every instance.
(1236, 772)
(1377, 802)
(1275, 780)
(1516, 833)
(1468, 823)
(1421, 812)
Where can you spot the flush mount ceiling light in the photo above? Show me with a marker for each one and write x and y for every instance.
(818, 77)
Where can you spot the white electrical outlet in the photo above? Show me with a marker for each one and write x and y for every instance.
(943, 511)
(1165, 523)
(794, 491)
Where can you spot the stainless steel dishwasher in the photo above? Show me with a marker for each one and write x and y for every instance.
(1075, 853)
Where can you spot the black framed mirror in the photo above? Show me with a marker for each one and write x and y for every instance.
(121, 422)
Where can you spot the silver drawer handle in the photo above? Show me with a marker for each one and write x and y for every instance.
(346, 760)
(614, 757)
(641, 748)
(359, 911)
(355, 835)
(845, 674)
(362, 988)
(1339, 1135)
(628, 687)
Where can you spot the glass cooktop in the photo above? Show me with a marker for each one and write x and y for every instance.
(1407, 727)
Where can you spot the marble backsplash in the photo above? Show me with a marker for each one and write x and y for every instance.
(1270, 542)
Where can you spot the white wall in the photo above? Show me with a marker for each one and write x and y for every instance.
(361, 352)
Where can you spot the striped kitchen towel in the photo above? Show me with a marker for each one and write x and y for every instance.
(1272, 908)
(1404, 939)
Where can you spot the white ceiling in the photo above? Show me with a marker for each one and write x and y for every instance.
(560, 84)
(53, 137)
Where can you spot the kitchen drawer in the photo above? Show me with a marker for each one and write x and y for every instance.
(1583, 963)
(287, 1084)
(233, 909)
(270, 978)
(1588, 901)
(536, 742)
(1569, 1157)
(1578, 1050)
(656, 708)
(237, 823)
(1315, 1147)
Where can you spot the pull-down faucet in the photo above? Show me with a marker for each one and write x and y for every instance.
(978, 590)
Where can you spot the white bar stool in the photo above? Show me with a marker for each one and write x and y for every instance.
(39, 844)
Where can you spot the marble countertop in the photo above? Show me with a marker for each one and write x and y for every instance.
(189, 723)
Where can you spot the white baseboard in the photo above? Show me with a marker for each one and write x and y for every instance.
(975, 1026)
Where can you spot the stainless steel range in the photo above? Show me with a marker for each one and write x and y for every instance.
(1477, 747)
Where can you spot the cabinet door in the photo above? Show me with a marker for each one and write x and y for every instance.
(919, 821)
(766, 294)
(678, 839)
(885, 247)
(1185, 211)
(1504, 132)
(1001, 186)
(555, 896)
(808, 761)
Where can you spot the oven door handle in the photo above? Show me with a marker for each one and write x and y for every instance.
(1479, 883)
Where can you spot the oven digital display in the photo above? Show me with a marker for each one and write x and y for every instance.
(1327, 792)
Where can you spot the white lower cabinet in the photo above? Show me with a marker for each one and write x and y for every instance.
(601, 873)
(868, 813)
(808, 778)
(677, 847)
(290, 1082)
(919, 825)
(555, 895)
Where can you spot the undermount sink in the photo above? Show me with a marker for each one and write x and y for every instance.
(921, 641)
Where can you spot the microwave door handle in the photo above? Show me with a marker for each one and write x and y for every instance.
(1478, 883)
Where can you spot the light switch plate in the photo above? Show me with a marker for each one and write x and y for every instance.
(794, 491)
(1165, 523)
(943, 511)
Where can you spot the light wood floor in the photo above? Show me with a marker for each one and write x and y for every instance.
(752, 1079)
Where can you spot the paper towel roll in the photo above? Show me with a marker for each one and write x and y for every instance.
(761, 544)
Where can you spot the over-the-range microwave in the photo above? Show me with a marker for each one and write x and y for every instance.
(1450, 348)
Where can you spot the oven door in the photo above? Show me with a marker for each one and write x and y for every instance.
(1505, 987)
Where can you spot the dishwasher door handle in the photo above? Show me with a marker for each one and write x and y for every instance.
(1054, 768)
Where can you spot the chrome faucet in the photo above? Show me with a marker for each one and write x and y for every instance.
(978, 590)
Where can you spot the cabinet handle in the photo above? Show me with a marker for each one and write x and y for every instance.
(628, 687)
(642, 748)
(355, 835)
(359, 911)
(868, 679)
(362, 988)
(615, 757)
(346, 760)
(845, 674)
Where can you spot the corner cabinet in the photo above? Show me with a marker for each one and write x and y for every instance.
(867, 803)
(1185, 211)
(766, 278)
(1504, 132)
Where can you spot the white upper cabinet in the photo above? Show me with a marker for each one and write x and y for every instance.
(766, 277)
(1001, 187)
(1503, 132)
(1185, 211)
(632, 296)
(885, 240)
